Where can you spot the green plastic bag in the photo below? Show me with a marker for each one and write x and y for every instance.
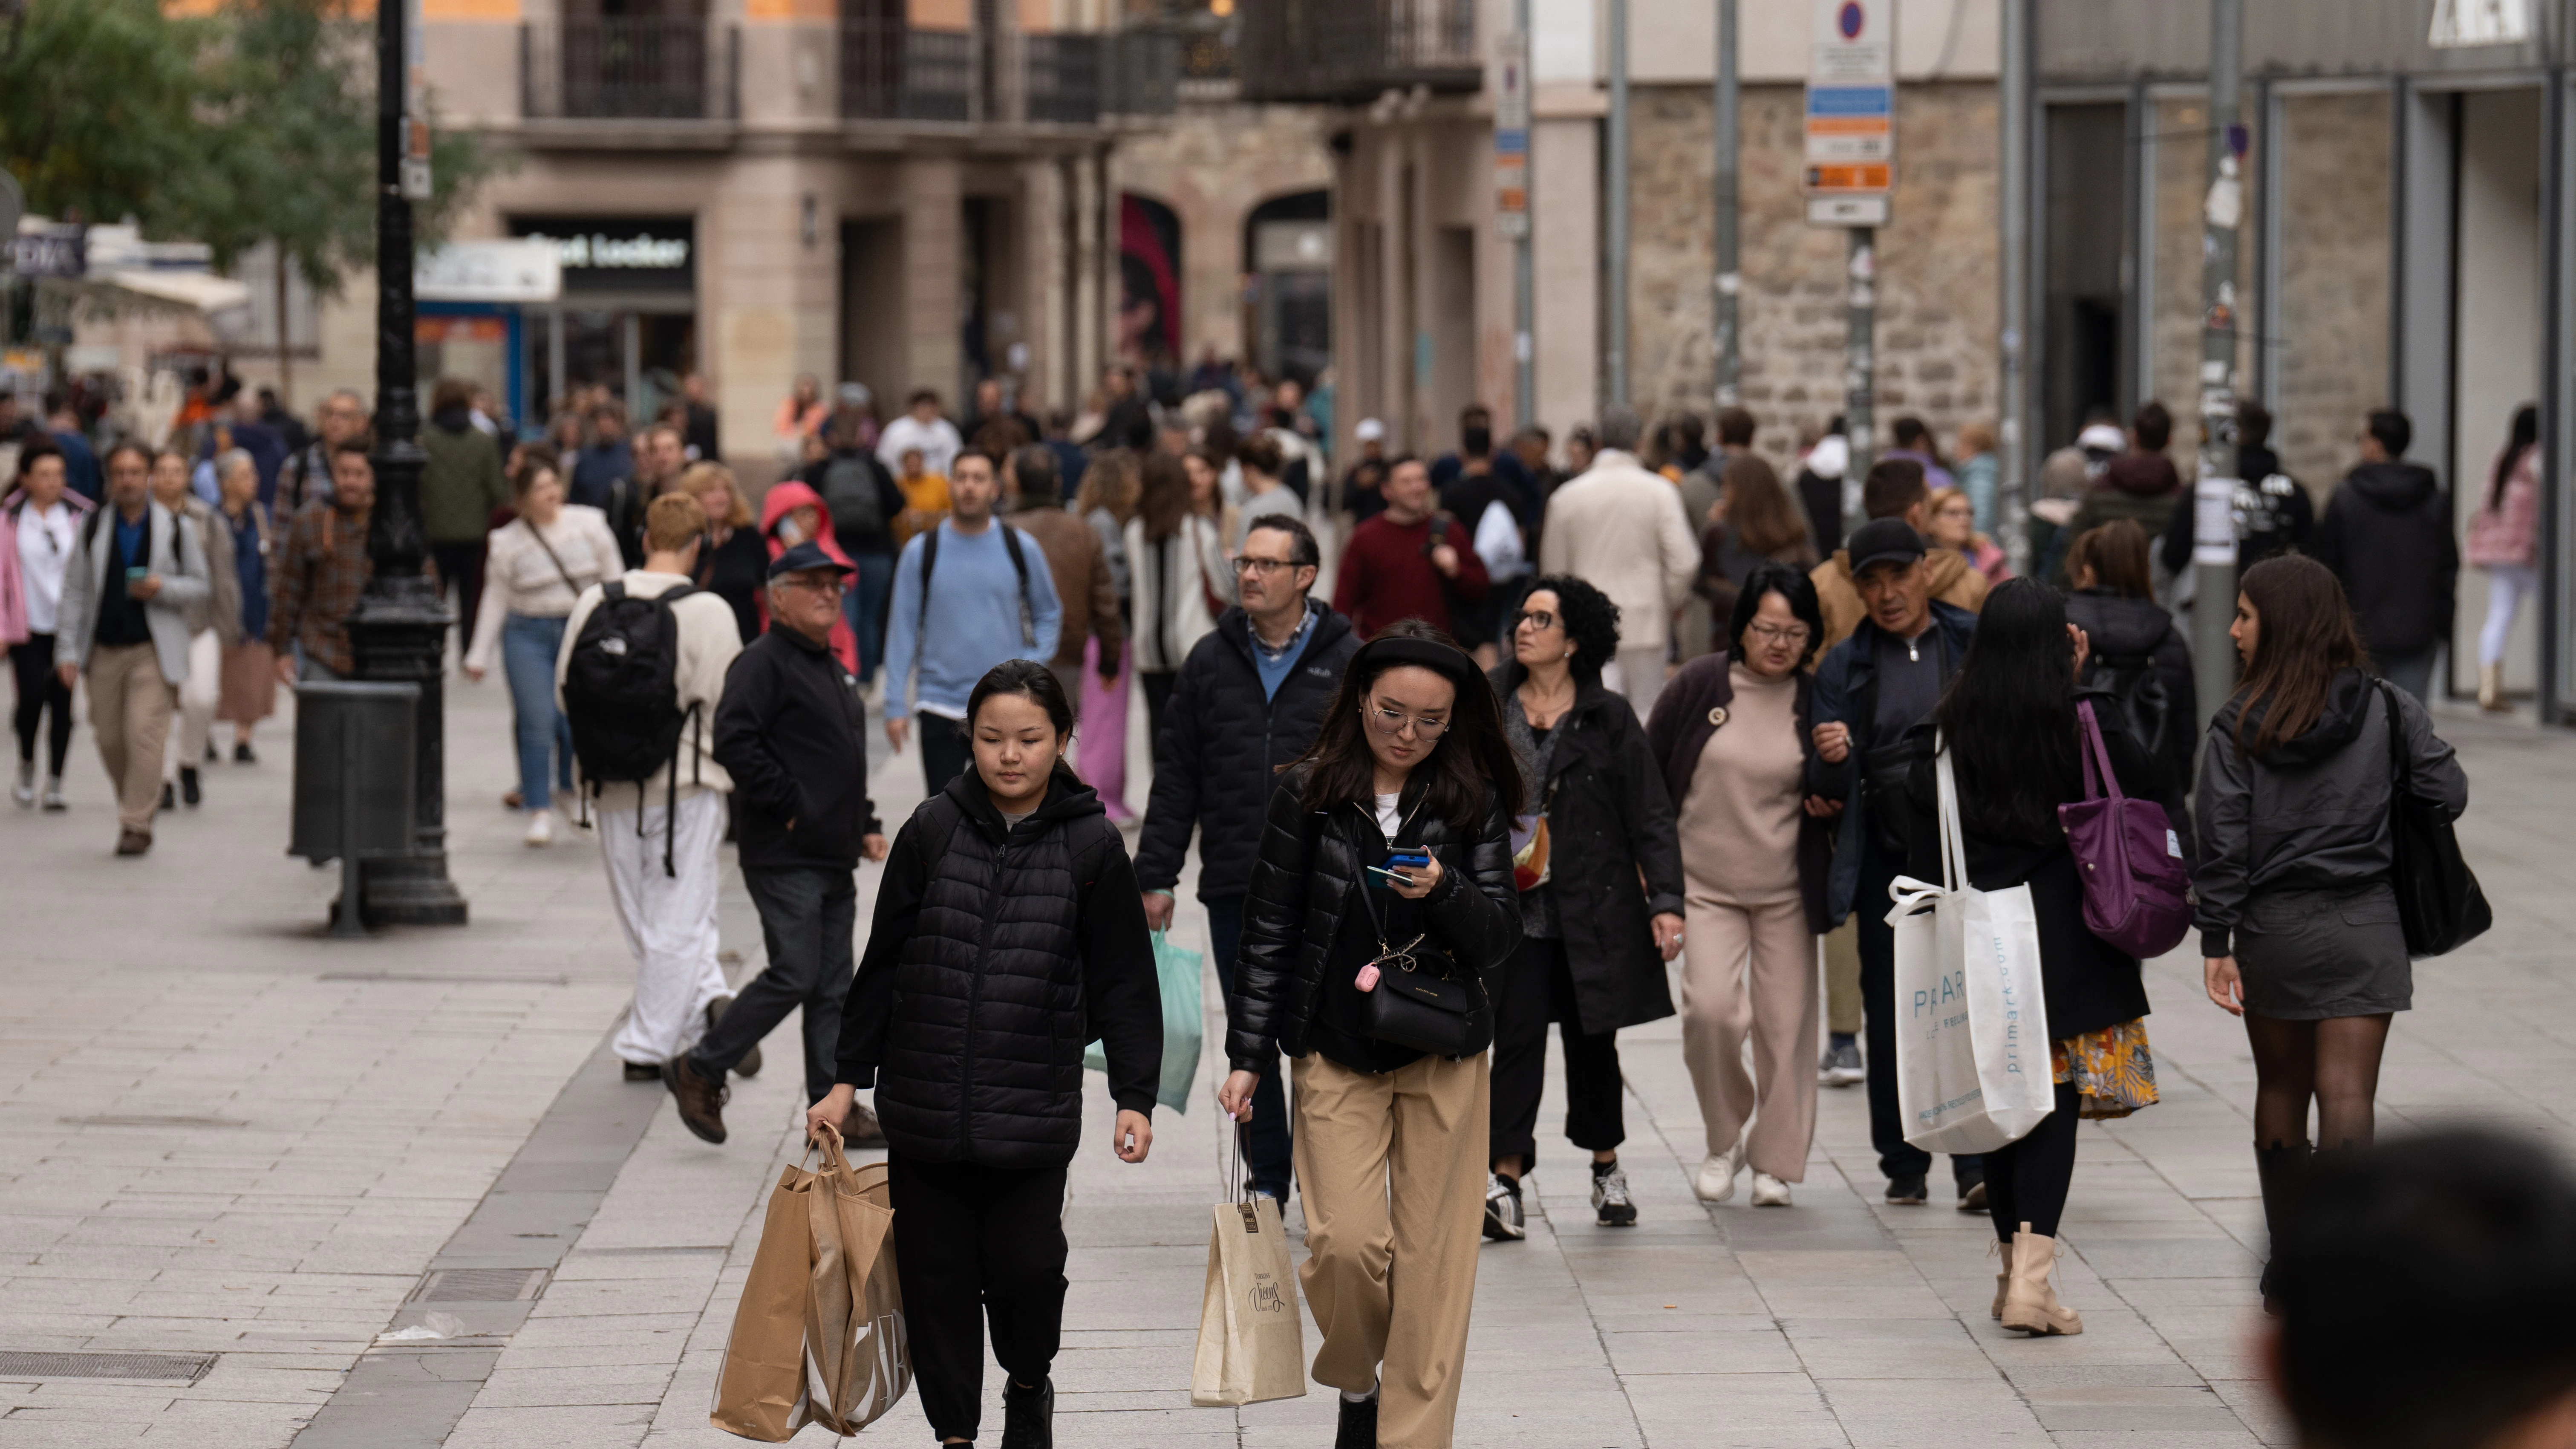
(1183, 1034)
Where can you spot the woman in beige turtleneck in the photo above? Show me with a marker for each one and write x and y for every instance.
(1731, 732)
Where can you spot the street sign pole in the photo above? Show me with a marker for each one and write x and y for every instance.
(2214, 495)
(1614, 340)
(1511, 205)
(1851, 170)
(2012, 492)
(1725, 345)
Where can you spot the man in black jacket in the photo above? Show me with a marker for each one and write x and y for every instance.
(2387, 534)
(791, 731)
(1249, 699)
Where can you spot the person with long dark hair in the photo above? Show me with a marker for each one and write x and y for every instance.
(1754, 522)
(970, 1020)
(2298, 922)
(1733, 733)
(1375, 935)
(2137, 654)
(2008, 723)
(1599, 919)
(2504, 539)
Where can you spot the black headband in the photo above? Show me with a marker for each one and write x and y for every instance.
(1445, 659)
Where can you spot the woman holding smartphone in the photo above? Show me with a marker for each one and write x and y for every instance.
(1381, 915)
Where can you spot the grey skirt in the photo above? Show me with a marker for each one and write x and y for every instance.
(2307, 955)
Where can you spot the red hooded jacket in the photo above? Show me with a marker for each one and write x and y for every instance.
(786, 497)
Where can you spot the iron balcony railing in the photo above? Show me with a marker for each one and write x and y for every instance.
(1348, 51)
(891, 71)
(1060, 78)
(630, 68)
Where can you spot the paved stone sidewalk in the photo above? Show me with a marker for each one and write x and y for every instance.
(376, 1114)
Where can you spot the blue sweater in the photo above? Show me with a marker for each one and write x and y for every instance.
(975, 619)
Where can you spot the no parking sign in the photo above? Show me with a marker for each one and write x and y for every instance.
(1851, 112)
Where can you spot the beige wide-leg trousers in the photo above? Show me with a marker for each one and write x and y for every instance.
(129, 710)
(1750, 971)
(1393, 1167)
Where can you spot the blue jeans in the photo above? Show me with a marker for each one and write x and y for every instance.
(1267, 1143)
(528, 649)
(865, 605)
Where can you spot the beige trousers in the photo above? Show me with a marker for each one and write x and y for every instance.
(1842, 978)
(1393, 1167)
(1750, 971)
(129, 709)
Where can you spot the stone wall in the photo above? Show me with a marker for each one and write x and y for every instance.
(1936, 265)
(1212, 165)
(2335, 292)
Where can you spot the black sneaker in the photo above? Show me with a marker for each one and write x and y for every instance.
(1906, 1192)
(1611, 1205)
(1028, 1415)
(169, 797)
(1504, 1222)
(1358, 1428)
(242, 755)
(643, 1072)
(189, 790)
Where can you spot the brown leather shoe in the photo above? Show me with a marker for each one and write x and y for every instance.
(701, 1101)
(133, 842)
(861, 1128)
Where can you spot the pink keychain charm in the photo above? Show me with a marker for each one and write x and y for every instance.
(1367, 978)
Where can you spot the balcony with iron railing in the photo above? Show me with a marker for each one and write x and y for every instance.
(1351, 51)
(893, 71)
(632, 68)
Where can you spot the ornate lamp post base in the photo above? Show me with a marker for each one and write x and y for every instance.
(399, 634)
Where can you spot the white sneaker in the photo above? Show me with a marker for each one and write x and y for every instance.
(24, 792)
(541, 828)
(1769, 1191)
(1715, 1181)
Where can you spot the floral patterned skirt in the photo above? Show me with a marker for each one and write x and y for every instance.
(2111, 1069)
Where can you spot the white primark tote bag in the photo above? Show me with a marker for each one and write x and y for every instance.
(1972, 1050)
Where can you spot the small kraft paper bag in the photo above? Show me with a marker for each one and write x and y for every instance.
(761, 1386)
(1252, 1340)
(856, 1361)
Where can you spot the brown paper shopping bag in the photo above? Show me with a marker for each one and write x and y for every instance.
(856, 1360)
(1252, 1342)
(761, 1386)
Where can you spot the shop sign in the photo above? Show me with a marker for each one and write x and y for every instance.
(619, 254)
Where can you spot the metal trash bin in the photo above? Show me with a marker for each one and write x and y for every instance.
(355, 776)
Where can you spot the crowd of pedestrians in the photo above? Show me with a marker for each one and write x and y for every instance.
(1589, 736)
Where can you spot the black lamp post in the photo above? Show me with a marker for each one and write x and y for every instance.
(399, 632)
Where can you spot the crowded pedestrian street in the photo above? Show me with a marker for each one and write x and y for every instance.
(280, 1160)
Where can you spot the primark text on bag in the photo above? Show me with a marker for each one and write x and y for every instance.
(1972, 1049)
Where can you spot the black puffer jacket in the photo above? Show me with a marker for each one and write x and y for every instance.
(996, 954)
(2128, 638)
(1222, 744)
(1608, 820)
(1302, 889)
(2388, 535)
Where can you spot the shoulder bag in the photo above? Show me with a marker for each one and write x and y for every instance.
(1413, 1001)
(2438, 900)
(2135, 885)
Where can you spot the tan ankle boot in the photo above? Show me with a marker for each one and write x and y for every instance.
(2491, 689)
(2030, 1303)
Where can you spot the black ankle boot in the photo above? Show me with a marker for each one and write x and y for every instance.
(2283, 1170)
(1028, 1415)
(1358, 1428)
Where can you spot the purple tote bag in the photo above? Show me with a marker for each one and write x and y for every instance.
(2135, 883)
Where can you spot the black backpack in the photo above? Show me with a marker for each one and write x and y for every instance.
(2131, 681)
(621, 696)
(849, 489)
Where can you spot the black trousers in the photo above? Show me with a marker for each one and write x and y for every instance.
(976, 1244)
(947, 751)
(1158, 692)
(41, 689)
(1269, 1144)
(1897, 1158)
(2026, 1181)
(807, 920)
(461, 564)
(1538, 987)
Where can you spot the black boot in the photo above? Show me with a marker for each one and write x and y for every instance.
(189, 790)
(1358, 1429)
(2283, 1170)
(1028, 1415)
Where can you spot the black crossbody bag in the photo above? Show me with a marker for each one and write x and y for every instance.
(1416, 1002)
(2439, 903)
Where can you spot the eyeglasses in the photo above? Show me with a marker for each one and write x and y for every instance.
(1793, 636)
(1539, 618)
(1262, 566)
(1393, 722)
(823, 584)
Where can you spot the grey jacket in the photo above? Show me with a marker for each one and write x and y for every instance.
(178, 559)
(2312, 813)
(221, 610)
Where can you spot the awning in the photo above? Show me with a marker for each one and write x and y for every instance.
(203, 291)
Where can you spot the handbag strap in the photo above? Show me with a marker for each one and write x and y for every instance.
(551, 554)
(2401, 774)
(2094, 753)
(1954, 851)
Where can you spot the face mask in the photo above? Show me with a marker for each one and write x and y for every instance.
(789, 534)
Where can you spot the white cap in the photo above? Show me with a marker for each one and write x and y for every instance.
(1370, 430)
(856, 395)
(2103, 436)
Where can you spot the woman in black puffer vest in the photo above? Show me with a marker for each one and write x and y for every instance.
(1008, 934)
(1391, 1093)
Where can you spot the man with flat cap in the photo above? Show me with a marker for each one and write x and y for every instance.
(1870, 689)
(791, 731)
